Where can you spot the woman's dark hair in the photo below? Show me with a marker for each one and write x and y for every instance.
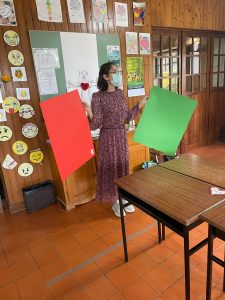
(102, 84)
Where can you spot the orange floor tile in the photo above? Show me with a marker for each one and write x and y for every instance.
(78, 255)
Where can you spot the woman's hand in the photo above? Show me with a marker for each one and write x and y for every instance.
(87, 108)
(143, 101)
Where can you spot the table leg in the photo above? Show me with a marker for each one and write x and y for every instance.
(163, 232)
(159, 232)
(123, 230)
(187, 265)
(209, 264)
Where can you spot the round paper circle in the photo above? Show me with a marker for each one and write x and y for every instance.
(5, 133)
(11, 105)
(30, 130)
(16, 57)
(11, 38)
(25, 169)
(20, 147)
(26, 111)
(36, 156)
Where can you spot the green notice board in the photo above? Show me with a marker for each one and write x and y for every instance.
(50, 39)
(164, 120)
(104, 40)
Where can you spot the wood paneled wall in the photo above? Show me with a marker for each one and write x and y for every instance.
(191, 14)
(27, 20)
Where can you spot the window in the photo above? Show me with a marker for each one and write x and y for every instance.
(166, 59)
(195, 63)
(218, 62)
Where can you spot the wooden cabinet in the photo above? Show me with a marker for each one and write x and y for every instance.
(79, 188)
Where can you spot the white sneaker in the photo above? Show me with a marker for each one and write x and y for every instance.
(116, 209)
(130, 208)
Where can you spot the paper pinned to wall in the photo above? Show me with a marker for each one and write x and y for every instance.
(99, 11)
(144, 43)
(19, 73)
(1, 99)
(135, 76)
(23, 93)
(49, 10)
(3, 117)
(121, 14)
(76, 11)
(46, 58)
(131, 43)
(47, 83)
(139, 13)
(7, 13)
(9, 163)
(164, 120)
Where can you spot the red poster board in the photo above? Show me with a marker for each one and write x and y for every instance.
(69, 132)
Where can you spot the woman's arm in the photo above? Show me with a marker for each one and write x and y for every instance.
(133, 112)
(94, 112)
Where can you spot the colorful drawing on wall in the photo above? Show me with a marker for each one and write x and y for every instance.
(16, 57)
(11, 105)
(144, 43)
(121, 14)
(99, 11)
(25, 169)
(113, 54)
(23, 93)
(7, 13)
(26, 111)
(76, 11)
(11, 38)
(30, 130)
(9, 163)
(49, 10)
(131, 43)
(2, 115)
(139, 13)
(135, 76)
(5, 78)
(19, 147)
(19, 73)
(5, 133)
(36, 156)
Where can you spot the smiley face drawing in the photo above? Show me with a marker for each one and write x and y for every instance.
(5, 133)
(25, 169)
(11, 105)
(36, 156)
(20, 147)
(11, 38)
(30, 130)
(26, 111)
(16, 57)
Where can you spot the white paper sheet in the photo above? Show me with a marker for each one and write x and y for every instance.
(49, 11)
(19, 73)
(1, 97)
(47, 82)
(76, 11)
(23, 93)
(3, 117)
(121, 14)
(46, 58)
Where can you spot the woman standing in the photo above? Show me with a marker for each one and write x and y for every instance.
(109, 112)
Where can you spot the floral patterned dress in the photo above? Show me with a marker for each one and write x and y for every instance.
(110, 112)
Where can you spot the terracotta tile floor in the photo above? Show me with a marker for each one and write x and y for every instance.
(78, 255)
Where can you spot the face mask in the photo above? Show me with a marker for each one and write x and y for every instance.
(115, 79)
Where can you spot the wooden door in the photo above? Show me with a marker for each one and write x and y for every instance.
(195, 84)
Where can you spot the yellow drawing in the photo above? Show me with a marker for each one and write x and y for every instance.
(20, 147)
(36, 156)
(11, 105)
(16, 57)
(11, 38)
(25, 169)
(30, 130)
(5, 133)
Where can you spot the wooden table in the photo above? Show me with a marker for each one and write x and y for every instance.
(216, 220)
(198, 167)
(173, 199)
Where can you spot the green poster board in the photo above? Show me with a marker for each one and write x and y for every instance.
(164, 120)
(50, 39)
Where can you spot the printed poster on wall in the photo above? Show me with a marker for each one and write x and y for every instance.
(135, 76)
(144, 43)
(76, 11)
(100, 11)
(121, 14)
(113, 54)
(7, 13)
(131, 43)
(49, 10)
(139, 13)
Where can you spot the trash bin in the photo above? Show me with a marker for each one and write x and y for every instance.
(39, 196)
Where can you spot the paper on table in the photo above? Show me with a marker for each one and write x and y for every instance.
(164, 120)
